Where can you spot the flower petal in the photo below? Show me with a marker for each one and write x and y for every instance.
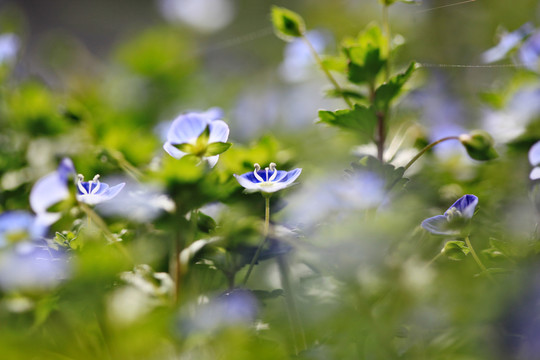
(187, 128)
(219, 131)
(47, 191)
(534, 154)
(465, 205)
(212, 160)
(291, 176)
(438, 225)
(535, 173)
(173, 151)
(246, 181)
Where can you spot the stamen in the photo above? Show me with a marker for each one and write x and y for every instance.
(80, 178)
(257, 168)
(274, 174)
(266, 169)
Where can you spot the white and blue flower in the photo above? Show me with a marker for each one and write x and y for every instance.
(534, 159)
(268, 180)
(198, 134)
(94, 192)
(50, 190)
(454, 219)
(18, 227)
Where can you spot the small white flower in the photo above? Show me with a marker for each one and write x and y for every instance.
(268, 180)
(94, 192)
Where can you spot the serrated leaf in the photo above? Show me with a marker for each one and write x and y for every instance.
(391, 89)
(455, 250)
(353, 94)
(365, 55)
(361, 119)
(288, 25)
(216, 148)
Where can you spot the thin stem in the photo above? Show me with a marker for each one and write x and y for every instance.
(477, 259)
(263, 241)
(326, 71)
(292, 310)
(92, 216)
(434, 259)
(380, 136)
(423, 151)
(386, 27)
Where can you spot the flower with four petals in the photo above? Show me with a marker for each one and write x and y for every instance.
(268, 180)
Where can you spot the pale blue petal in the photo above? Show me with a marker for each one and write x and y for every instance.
(173, 151)
(108, 194)
(507, 43)
(535, 174)
(214, 113)
(212, 160)
(291, 176)
(219, 132)
(46, 192)
(187, 128)
(245, 181)
(438, 225)
(534, 154)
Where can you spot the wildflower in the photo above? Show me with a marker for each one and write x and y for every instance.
(268, 180)
(507, 43)
(94, 192)
(50, 190)
(197, 134)
(534, 159)
(529, 52)
(19, 227)
(454, 219)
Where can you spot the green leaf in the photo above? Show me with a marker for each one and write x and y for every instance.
(479, 145)
(455, 250)
(361, 119)
(353, 94)
(366, 55)
(391, 89)
(287, 24)
(216, 148)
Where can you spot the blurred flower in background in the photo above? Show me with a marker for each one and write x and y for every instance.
(9, 46)
(206, 16)
(18, 227)
(32, 268)
(50, 190)
(508, 41)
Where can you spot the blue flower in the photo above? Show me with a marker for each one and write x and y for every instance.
(9, 46)
(50, 190)
(268, 180)
(94, 192)
(18, 227)
(198, 134)
(534, 159)
(454, 219)
(32, 268)
(508, 42)
(530, 51)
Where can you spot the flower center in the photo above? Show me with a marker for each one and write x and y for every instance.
(17, 236)
(93, 185)
(266, 180)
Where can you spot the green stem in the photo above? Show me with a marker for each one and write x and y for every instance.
(434, 259)
(423, 151)
(92, 216)
(265, 236)
(477, 259)
(386, 27)
(326, 71)
(292, 310)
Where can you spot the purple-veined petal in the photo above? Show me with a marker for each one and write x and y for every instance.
(438, 225)
(291, 176)
(280, 175)
(108, 194)
(535, 174)
(534, 154)
(173, 151)
(219, 132)
(530, 51)
(246, 182)
(186, 128)
(465, 205)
